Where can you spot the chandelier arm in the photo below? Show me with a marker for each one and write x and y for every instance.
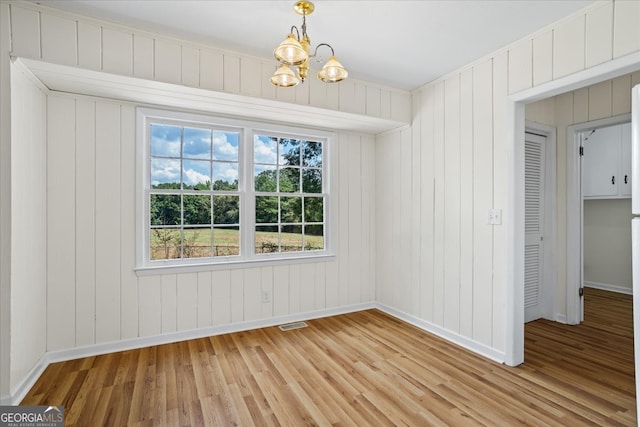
(293, 27)
(315, 52)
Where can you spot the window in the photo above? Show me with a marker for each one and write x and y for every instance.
(220, 191)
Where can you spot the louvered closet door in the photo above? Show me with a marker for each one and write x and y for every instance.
(534, 168)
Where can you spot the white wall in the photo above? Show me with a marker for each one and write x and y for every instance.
(603, 100)
(607, 244)
(451, 268)
(29, 221)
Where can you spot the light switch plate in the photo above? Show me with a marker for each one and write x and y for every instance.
(494, 217)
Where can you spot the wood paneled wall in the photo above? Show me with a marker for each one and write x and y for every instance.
(438, 259)
(41, 33)
(94, 295)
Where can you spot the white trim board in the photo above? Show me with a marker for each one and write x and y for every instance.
(607, 287)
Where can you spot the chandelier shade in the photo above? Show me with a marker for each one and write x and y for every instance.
(294, 52)
(290, 51)
(332, 71)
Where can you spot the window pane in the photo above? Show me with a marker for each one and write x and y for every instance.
(289, 152)
(226, 209)
(265, 178)
(225, 176)
(165, 173)
(226, 241)
(289, 180)
(164, 209)
(165, 140)
(311, 181)
(164, 243)
(312, 154)
(196, 175)
(266, 209)
(314, 237)
(225, 145)
(313, 209)
(196, 243)
(291, 238)
(291, 209)
(267, 239)
(264, 150)
(197, 209)
(197, 143)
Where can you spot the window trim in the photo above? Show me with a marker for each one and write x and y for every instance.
(247, 129)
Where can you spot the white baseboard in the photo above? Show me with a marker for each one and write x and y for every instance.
(561, 318)
(469, 344)
(20, 391)
(607, 287)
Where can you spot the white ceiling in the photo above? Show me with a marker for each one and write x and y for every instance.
(403, 44)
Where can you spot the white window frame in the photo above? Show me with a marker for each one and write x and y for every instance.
(247, 129)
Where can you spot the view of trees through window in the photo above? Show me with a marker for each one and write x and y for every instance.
(195, 191)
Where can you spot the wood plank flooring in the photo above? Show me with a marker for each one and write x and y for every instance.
(361, 369)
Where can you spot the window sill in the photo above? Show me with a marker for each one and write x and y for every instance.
(154, 270)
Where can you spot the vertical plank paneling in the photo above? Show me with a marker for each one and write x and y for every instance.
(221, 297)
(626, 29)
(150, 306)
(355, 184)
(385, 104)
(368, 268)
(167, 61)
(117, 52)
(286, 94)
(237, 296)
(373, 101)
(620, 99)
(266, 285)
(89, 46)
(332, 289)
(280, 290)
(416, 205)
(59, 42)
(25, 32)
(438, 200)
(128, 280)
(85, 278)
(61, 266)
(568, 47)
(295, 288)
(427, 193)
(581, 105)
(521, 66)
(190, 73)
(466, 203)
(317, 93)
(500, 179)
(599, 35)
(343, 217)
(401, 106)
(268, 91)
(482, 201)
(231, 73)
(320, 296)
(452, 203)
(333, 95)
(204, 299)
(600, 100)
(211, 70)
(187, 301)
(250, 77)
(252, 294)
(543, 58)
(405, 235)
(142, 57)
(348, 96)
(302, 94)
(384, 222)
(107, 222)
(307, 287)
(169, 303)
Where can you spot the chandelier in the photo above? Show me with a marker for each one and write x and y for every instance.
(294, 52)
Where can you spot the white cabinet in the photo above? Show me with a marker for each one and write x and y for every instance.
(606, 164)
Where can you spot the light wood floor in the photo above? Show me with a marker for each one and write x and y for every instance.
(361, 369)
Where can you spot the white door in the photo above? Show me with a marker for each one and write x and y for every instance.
(625, 161)
(534, 174)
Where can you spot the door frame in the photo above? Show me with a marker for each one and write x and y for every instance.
(549, 270)
(514, 209)
(575, 209)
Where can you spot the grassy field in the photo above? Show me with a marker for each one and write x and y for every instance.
(165, 244)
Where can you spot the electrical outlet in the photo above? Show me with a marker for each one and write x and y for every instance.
(494, 217)
(266, 296)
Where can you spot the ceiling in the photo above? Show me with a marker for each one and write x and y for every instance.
(403, 44)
